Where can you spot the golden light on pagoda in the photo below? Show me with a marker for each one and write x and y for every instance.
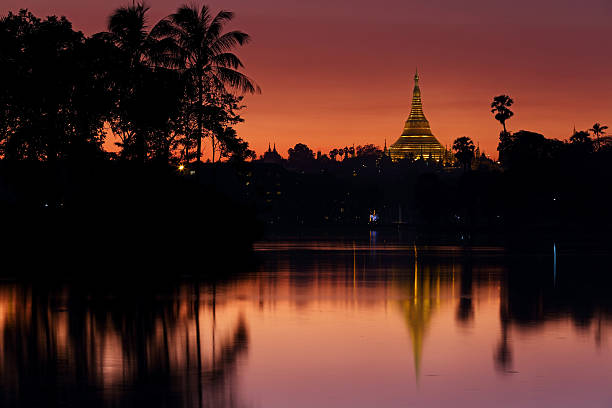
(417, 141)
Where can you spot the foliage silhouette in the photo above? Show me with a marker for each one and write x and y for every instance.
(464, 151)
(333, 153)
(369, 150)
(203, 54)
(582, 141)
(598, 130)
(52, 98)
(501, 108)
(66, 88)
(300, 154)
(141, 61)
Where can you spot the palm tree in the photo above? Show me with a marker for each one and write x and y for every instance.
(500, 107)
(598, 130)
(128, 31)
(204, 55)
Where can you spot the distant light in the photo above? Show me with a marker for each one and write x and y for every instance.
(373, 217)
(181, 167)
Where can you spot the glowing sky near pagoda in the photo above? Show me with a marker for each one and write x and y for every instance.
(334, 73)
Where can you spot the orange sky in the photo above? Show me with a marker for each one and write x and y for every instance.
(334, 73)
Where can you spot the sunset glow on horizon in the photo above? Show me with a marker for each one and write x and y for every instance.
(334, 75)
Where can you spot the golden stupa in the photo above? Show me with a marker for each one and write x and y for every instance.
(417, 141)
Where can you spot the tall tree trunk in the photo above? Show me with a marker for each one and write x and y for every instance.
(200, 119)
(212, 137)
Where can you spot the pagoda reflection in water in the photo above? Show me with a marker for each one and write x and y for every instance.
(417, 141)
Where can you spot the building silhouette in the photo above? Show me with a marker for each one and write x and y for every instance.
(271, 156)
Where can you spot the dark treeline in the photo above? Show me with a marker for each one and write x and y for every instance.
(166, 88)
(160, 91)
(537, 182)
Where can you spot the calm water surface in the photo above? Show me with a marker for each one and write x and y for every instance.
(324, 323)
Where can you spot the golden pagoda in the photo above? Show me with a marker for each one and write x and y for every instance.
(417, 141)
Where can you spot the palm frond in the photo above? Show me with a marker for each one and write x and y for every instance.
(236, 80)
(164, 53)
(216, 25)
(165, 28)
(132, 17)
(227, 59)
(204, 16)
(187, 19)
(229, 41)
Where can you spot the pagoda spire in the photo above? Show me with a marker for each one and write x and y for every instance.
(416, 111)
(416, 138)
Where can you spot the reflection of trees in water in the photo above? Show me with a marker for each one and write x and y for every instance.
(503, 353)
(532, 289)
(153, 346)
(135, 347)
(465, 309)
(538, 289)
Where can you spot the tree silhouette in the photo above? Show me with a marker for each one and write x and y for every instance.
(233, 147)
(464, 151)
(204, 55)
(527, 150)
(53, 99)
(140, 52)
(598, 130)
(582, 141)
(300, 153)
(500, 107)
(333, 153)
(368, 150)
(220, 114)
(127, 28)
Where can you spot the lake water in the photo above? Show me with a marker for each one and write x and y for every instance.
(359, 322)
